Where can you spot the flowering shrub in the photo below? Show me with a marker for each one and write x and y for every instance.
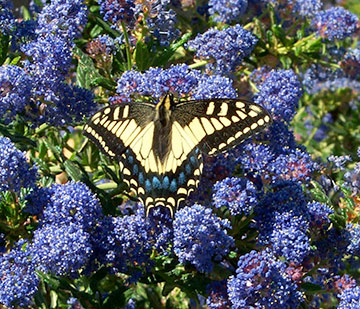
(274, 222)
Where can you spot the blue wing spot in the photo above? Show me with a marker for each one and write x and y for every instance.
(173, 186)
(147, 185)
(188, 169)
(181, 178)
(166, 183)
(141, 178)
(156, 183)
(193, 160)
(135, 169)
(131, 159)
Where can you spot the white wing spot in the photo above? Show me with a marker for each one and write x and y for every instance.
(218, 126)
(261, 122)
(223, 109)
(253, 114)
(210, 108)
(241, 114)
(254, 126)
(240, 104)
(235, 119)
(226, 122)
(107, 110)
(126, 111)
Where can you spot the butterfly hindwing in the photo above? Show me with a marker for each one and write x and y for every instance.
(217, 125)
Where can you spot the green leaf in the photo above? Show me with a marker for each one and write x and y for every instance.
(96, 31)
(86, 71)
(165, 56)
(72, 170)
(142, 56)
(104, 82)
(311, 287)
(4, 47)
(168, 287)
(107, 27)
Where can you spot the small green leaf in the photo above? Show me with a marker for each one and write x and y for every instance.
(142, 56)
(72, 170)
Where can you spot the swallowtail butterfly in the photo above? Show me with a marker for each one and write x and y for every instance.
(159, 147)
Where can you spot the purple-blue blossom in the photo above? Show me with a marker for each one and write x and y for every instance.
(349, 298)
(15, 90)
(178, 79)
(218, 298)
(128, 248)
(280, 94)
(354, 246)
(72, 203)
(227, 11)
(224, 49)
(62, 18)
(282, 219)
(162, 26)
(319, 215)
(335, 23)
(61, 249)
(262, 281)
(7, 19)
(306, 8)
(19, 281)
(351, 63)
(117, 11)
(200, 236)
(15, 171)
(239, 195)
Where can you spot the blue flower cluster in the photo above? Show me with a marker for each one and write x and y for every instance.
(200, 236)
(262, 281)
(178, 79)
(7, 19)
(335, 23)
(280, 94)
(225, 49)
(239, 195)
(349, 298)
(227, 11)
(15, 172)
(306, 8)
(19, 281)
(15, 90)
(282, 219)
(162, 23)
(218, 297)
(50, 51)
(117, 11)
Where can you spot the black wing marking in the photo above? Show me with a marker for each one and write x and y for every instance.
(217, 125)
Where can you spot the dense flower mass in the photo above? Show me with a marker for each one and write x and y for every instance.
(178, 79)
(306, 7)
(117, 11)
(239, 195)
(15, 171)
(60, 250)
(226, 48)
(76, 204)
(19, 281)
(335, 23)
(262, 281)
(227, 11)
(200, 236)
(280, 94)
(15, 90)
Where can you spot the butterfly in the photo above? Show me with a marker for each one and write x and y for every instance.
(159, 147)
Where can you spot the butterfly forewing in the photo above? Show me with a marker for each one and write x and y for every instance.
(217, 125)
